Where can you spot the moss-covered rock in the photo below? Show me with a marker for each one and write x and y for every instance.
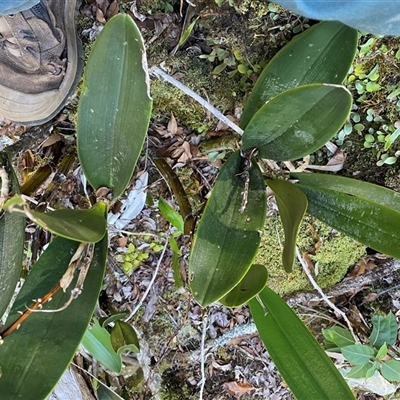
(331, 252)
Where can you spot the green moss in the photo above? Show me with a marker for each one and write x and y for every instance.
(258, 6)
(334, 256)
(168, 99)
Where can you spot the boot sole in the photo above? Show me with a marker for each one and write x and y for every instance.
(36, 109)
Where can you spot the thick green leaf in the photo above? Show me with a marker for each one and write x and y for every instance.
(305, 367)
(358, 354)
(298, 122)
(176, 253)
(105, 393)
(363, 211)
(12, 237)
(384, 330)
(87, 226)
(97, 342)
(292, 205)
(124, 337)
(34, 357)
(252, 283)
(339, 336)
(115, 317)
(172, 216)
(227, 240)
(114, 107)
(391, 370)
(322, 54)
(179, 192)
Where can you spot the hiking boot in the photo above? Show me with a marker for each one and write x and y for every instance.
(40, 63)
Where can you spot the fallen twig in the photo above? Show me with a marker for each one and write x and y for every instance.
(160, 74)
(202, 356)
(322, 294)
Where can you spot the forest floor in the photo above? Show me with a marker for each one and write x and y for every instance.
(227, 48)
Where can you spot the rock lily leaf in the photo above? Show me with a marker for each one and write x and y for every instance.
(12, 237)
(298, 122)
(45, 343)
(97, 341)
(292, 205)
(88, 226)
(227, 240)
(124, 338)
(322, 54)
(366, 212)
(301, 361)
(114, 107)
(252, 283)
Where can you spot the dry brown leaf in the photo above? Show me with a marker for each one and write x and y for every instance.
(122, 241)
(172, 125)
(186, 155)
(358, 269)
(51, 140)
(224, 367)
(100, 16)
(310, 264)
(371, 297)
(112, 9)
(238, 389)
(371, 265)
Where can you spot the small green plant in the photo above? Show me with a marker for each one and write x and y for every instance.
(366, 359)
(370, 79)
(137, 251)
(235, 62)
(176, 220)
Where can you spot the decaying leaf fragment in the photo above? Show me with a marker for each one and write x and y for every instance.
(238, 389)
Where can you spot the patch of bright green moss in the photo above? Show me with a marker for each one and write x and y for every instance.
(334, 256)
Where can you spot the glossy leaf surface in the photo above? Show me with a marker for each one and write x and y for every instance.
(97, 341)
(301, 361)
(321, 54)
(172, 216)
(33, 358)
(292, 205)
(226, 240)
(12, 237)
(298, 122)
(124, 337)
(252, 283)
(366, 212)
(114, 107)
(87, 226)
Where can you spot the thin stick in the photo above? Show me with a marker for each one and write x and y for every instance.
(5, 186)
(202, 357)
(151, 282)
(322, 294)
(133, 233)
(160, 74)
(81, 259)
